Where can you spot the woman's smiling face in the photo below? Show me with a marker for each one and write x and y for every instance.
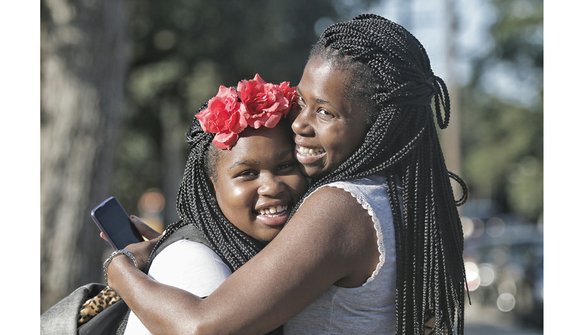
(258, 181)
(329, 127)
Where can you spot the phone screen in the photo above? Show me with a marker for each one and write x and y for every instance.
(114, 222)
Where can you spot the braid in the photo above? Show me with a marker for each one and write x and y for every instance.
(402, 145)
(197, 205)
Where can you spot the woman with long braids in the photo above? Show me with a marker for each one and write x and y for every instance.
(375, 246)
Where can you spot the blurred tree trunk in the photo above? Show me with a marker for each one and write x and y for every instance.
(173, 132)
(83, 67)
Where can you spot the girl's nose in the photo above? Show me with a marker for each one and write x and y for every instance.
(270, 186)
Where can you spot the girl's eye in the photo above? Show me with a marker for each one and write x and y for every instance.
(287, 167)
(247, 174)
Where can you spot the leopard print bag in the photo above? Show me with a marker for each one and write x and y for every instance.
(105, 313)
(92, 309)
(93, 306)
(95, 309)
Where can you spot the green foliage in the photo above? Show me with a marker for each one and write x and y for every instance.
(503, 114)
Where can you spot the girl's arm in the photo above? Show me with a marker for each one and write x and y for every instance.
(330, 240)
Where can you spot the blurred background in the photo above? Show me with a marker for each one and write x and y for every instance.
(121, 79)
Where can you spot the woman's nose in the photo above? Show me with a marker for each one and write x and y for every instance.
(300, 125)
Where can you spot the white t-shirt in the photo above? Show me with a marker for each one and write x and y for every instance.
(188, 265)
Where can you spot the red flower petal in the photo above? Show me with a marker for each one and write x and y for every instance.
(225, 140)
(259, 104)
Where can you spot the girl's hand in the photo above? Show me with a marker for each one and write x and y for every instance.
(142, 250)
(146, 231)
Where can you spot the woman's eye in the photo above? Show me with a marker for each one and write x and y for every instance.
(301, 102)
(323, 113)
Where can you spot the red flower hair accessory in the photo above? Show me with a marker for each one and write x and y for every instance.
(255, 103)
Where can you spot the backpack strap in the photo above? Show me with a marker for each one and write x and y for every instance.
(187, 232)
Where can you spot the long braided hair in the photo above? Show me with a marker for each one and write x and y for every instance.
(391, 70)
(197, 204)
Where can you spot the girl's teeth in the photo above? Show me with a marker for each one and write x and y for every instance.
(273, 210)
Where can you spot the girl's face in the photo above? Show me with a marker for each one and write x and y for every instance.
(258, 181)
(329, 127)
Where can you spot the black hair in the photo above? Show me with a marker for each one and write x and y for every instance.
(392, 71)
(212, 156)
(197, 204)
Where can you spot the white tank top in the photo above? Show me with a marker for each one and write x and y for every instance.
(370, 308)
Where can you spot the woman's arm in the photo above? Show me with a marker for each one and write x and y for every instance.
(329, 240)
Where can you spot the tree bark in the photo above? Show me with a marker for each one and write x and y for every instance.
(83, 68)
(173, 141)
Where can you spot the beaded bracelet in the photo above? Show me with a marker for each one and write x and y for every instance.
(115, 254)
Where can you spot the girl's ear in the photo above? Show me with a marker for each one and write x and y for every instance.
(213, 181)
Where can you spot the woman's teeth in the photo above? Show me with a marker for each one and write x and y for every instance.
(308, 152)
(274, 210)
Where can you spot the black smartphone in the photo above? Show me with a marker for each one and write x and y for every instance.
(113, 221)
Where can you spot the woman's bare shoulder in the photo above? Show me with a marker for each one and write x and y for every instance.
(343, 230)
(332, 198)
(333, 208)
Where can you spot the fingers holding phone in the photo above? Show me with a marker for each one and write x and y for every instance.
(142, 250)
(144, 229)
